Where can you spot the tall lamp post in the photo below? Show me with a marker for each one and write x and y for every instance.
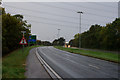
(80, 12)
(58, 32)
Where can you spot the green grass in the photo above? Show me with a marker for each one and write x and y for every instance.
(113, 57)
(13, 65)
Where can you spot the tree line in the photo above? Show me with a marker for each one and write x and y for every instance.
(100, 37)
(12, 25)
(57, 42)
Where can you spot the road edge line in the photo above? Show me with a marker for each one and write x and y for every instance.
(50, 71)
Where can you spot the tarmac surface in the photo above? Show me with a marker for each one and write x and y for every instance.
(69, 65)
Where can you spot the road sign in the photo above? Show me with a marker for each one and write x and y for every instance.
(23, 41)
(32, 39)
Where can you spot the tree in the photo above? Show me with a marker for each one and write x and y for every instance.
(46, 43)
(11, 31)
(59, 42)
(100, 37)
(55, 42)
(39, 42)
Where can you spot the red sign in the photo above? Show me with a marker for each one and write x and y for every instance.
(23, 41)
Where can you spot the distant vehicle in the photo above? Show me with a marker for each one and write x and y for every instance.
(67, 45)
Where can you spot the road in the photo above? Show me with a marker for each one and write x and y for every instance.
(34, 68)
(69, 65)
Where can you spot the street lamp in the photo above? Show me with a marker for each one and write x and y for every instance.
(58, 32)
(80, 12)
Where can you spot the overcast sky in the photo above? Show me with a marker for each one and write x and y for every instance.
(61, 0)
(47, 17)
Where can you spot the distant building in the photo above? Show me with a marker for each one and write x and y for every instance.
(119, 9)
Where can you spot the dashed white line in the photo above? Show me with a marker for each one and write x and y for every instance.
(93, 66)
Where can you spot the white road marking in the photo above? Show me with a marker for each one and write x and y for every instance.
(93, 66)
(46, 65)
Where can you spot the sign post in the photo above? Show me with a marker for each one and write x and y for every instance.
(23, 40)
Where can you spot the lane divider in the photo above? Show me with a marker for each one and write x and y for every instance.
(51, 72)
(93, 66)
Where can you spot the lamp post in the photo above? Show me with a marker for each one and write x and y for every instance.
(80, 12)
(58, 32)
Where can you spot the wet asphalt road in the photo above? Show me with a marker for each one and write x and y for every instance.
(69, 65)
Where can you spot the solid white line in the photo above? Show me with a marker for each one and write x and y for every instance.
(46, 65)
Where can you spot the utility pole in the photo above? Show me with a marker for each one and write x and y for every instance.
(80, 12)
(58, 32)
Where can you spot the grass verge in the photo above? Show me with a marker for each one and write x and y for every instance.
(13, 65)
(113, 57)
